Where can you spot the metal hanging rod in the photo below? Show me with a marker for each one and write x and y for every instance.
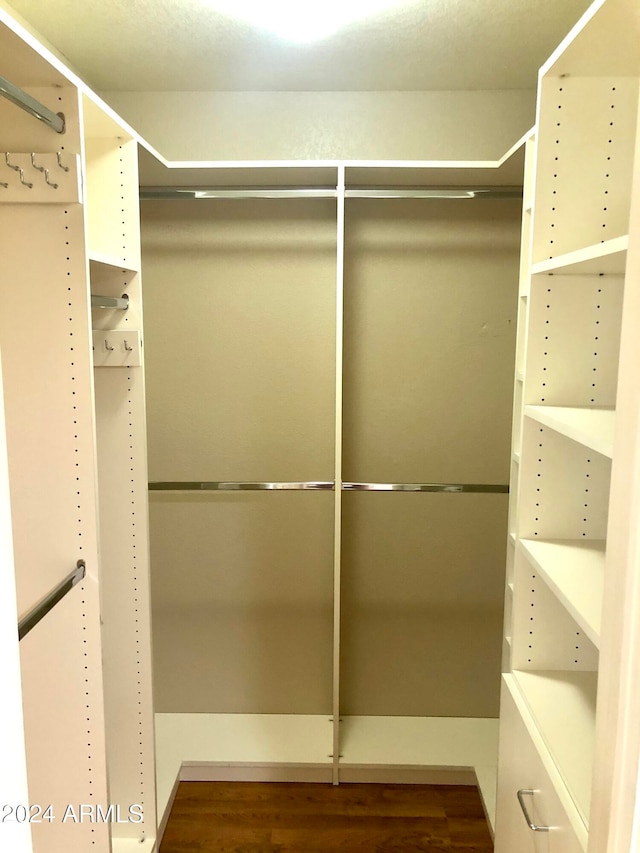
(21, 99)
(120, 302)
(148, 193)
(49, 601)
(426, 487)
(436, 193)
(181, 486)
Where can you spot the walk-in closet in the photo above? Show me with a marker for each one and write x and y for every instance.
(359, 500)
(343, 508)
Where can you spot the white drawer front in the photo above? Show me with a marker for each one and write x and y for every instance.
(521, 768)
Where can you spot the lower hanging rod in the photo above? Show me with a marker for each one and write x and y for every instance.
(485, 488)
(191, 193)
(119, 302)
(324, 485)
(50, 600)
(239, 486)
(21, 99)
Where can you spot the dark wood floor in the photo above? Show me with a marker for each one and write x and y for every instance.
(281, 817)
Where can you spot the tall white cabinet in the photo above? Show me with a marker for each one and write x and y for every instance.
(75, 437)
(566, 746)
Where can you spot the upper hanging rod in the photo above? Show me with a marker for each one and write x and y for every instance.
(149, 193)
(238, 486)
(49, 601)
(120, 302)
(426, 487)
(435, 192)
(21, 99)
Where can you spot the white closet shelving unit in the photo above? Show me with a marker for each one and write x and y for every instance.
(568, 619)
(76, 457)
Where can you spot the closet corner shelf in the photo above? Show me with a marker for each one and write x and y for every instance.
(574, 571)
(100, 263)
(454, 742)
(237, 739)
(563, 705)
(594, 428)
(607, 258)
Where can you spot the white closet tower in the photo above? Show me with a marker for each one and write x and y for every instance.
(568, 748)
(75, 438)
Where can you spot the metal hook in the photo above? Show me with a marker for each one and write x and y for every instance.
(17, 169)
(107, 346)
(43, 170)
(127, 347)
(2, 184)
(59, 155)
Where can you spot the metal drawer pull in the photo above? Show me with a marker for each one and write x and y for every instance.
(521, 795)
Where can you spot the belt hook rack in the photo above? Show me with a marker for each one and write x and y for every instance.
(44, 171)
(18, 169)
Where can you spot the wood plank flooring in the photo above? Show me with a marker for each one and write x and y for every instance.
(283, 817)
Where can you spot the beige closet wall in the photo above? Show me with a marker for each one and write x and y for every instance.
(329, 125)
(430, 301)
(240, 346)
(239, 311)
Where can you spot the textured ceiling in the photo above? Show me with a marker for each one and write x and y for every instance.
(183, 45)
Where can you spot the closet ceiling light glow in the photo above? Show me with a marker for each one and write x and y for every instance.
(301, 22)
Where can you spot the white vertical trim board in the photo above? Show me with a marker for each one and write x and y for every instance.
(14, 836)
(338, 470)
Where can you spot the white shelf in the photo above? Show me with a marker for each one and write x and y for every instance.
(447, 743)
(574, 570)
(430, 741)
(609, 257)
(237, 738)
(101, 263)
(563, 705)
(593, 428)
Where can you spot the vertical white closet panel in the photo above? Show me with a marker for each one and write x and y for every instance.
(114, 266)
(14, 835)
(45, 338)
